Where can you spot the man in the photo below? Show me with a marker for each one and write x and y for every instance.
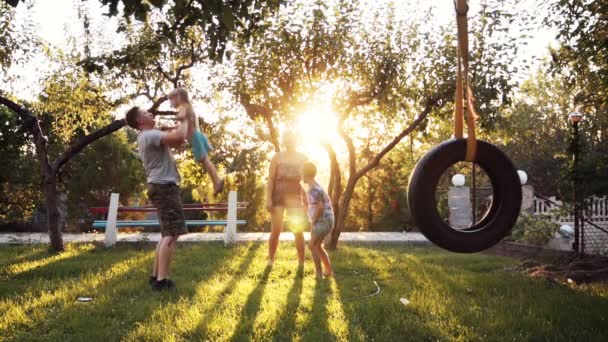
(163, 189)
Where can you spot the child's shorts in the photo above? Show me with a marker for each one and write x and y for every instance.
(200, 145)
(323, 226)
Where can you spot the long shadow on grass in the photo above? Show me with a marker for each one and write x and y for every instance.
(202, 329)
(470, 297)
(70, 264)
(316, 328)
(251, 309)
(126, 301)
(53, 311)
(286, 322)
(381, 316)
(493, 304)
(14, 255)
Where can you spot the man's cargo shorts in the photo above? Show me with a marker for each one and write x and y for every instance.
(167, 201)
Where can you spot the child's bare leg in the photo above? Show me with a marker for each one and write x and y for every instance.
(313, 245)
(325, 260)
(212, 171)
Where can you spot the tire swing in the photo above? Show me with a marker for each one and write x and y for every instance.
(506, 198)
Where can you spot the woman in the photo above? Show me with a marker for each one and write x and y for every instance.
(285, 196)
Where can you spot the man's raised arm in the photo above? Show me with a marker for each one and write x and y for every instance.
(176, 137)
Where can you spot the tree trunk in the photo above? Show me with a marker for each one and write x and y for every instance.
(334, 188)
(355, 175)
(370, 203)
(52, 212)
(344, 203)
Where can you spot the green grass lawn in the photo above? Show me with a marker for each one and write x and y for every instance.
(228, 294)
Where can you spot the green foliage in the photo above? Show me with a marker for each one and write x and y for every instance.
(19, 178)
(108, 165)
(581, 60)
(219, 20)
(74, 104)
(229, 294)
(582, 57)
(539, 118)
(533, 230)
(78, 104)
(16, 38)
(380, 199)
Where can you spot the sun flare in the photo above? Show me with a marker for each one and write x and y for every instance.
(317, 124)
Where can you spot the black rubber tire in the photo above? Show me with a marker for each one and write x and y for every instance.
(503, 211)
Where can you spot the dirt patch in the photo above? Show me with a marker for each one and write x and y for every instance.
(563, 267)
(580, 270)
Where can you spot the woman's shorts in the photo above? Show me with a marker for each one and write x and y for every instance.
(200, 145)
(323, 226)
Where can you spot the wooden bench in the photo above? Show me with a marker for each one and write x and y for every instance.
(111, 224)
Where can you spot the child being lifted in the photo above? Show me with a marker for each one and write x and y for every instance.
(198, 140)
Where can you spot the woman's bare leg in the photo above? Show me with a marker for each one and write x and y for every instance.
(276, 226)
(298, 231)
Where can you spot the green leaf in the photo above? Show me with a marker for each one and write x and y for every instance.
(228, 17)
(158, 3)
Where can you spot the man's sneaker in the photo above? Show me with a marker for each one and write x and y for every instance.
(164, 284)
(152, 280)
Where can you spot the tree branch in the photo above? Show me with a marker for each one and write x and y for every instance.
(163, 112)
(430, 104)
(254, 111)
(32, 124)
(92, 137)
(335, 186)
(352, 162)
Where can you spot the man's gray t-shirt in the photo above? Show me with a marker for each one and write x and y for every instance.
(156, 157)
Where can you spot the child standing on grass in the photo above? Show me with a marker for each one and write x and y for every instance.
(198, 141)
(321, 217)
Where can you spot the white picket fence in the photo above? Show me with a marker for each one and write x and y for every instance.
(595, 240)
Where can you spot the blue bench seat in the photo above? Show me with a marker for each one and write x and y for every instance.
(155, 223)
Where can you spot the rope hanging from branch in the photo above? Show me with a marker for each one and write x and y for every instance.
(464, 104)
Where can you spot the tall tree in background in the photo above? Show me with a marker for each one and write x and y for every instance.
(582, 60)
(537, 117)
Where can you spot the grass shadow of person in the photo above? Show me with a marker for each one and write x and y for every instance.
(317, 327)
(201, 330)
(356, 268)
(286, 323)
(51, 270)
(121, 296)
(251, 308)
(53, 315)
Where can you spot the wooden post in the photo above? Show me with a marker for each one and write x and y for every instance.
(230, 231)
(111, 231)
